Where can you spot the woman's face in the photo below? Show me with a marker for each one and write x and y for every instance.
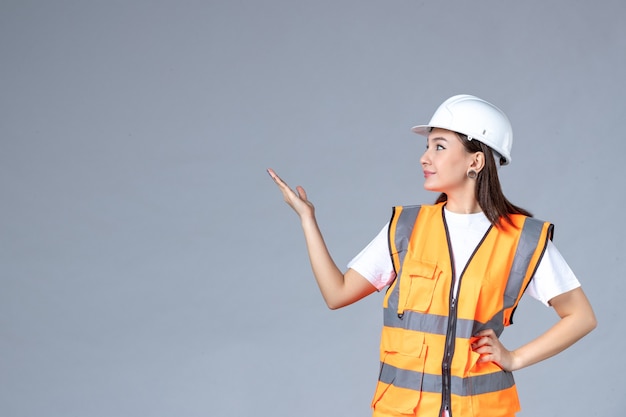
(445, 162)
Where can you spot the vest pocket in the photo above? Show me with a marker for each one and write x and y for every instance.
(399, 387)
(472, 358)
(417, 286)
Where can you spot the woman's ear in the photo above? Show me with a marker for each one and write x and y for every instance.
(478, 161)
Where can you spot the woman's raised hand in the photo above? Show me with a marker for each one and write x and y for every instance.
(337, 289)
(298, 202)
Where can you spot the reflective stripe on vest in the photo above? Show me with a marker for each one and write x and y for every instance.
(417, 323)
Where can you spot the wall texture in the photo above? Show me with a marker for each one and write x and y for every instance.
(148, 266)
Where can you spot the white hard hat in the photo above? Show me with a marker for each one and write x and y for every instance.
(475, 118)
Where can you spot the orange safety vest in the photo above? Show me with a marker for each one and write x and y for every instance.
(427, 364)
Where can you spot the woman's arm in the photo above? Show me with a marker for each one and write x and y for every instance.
(338, 289)
(577, 319)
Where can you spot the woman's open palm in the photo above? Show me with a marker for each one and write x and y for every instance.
(297, 201)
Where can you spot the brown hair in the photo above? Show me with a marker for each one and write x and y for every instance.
(488, 190)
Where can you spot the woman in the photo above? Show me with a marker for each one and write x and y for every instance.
(456, 271)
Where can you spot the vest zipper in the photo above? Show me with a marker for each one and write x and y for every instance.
(448, 353)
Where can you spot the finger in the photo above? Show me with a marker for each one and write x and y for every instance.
(284, 187)
(275, 177)
(485, 359)
(486, 333)
(482, 341)
(301, 193)
(482, 350)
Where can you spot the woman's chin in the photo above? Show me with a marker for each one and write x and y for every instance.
(428, 187)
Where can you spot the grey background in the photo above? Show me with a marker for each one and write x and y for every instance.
(148, 264)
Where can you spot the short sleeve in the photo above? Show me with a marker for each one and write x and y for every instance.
(553, 276)
(374, 261)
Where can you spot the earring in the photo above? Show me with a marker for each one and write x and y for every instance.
(472, 174)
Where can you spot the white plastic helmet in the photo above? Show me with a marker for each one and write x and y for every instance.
(475, 118)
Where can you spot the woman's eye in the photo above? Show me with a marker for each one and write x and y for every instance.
(439, 147)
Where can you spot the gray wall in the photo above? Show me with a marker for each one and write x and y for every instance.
(148, 264)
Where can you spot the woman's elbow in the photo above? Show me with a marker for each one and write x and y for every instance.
(586, 322)
(592, 322)
(334, 304)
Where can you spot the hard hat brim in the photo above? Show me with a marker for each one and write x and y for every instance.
(423, 130)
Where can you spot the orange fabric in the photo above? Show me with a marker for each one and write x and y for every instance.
(422, 291)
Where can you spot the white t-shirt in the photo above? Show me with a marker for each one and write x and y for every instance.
(553, 276)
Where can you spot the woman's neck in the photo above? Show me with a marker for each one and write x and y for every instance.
(463, 205)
